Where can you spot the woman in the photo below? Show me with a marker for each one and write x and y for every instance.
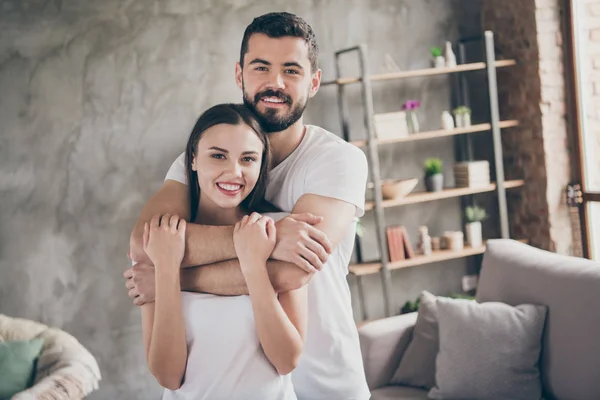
(239, 347)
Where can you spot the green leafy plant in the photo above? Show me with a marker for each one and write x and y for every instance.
(462, 110)
(475, 214)
(433, 166)
(435, 51)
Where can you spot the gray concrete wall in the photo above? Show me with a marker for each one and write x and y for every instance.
(97, 99)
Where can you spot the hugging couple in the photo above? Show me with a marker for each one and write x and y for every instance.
(240, 259)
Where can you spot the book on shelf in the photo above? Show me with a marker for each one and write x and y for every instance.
(472, 174)
(399, 246)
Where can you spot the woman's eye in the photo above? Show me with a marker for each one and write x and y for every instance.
(249, 159)
(218, 156)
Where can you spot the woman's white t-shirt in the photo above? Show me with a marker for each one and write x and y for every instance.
(225, 359)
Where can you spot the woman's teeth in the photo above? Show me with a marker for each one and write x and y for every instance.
(229, 187)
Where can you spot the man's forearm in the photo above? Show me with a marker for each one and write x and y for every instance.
(204, 245)
(226, 279)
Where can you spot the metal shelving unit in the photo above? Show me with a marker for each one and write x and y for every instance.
(377, 206)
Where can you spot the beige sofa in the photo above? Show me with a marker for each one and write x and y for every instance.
(515, 273)
(65, 369)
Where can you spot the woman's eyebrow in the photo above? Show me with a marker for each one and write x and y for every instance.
(219, 149)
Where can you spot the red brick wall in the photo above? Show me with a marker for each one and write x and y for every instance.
(534, 93)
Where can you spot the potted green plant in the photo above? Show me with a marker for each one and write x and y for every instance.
(474, 215)
(437, 59)
(462, 116)
(434, 180)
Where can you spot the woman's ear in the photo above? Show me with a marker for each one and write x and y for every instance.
(194, 167)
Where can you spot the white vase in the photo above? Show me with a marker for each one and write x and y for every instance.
(412, 122)
(466, 119)
(447, 121)
(458, 120)
(474, 237)
(439, 62)
(450, 57)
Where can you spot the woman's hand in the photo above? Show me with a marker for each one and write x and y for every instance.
(164, 241)
(254, 240)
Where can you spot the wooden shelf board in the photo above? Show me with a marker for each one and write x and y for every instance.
(436, 256)
(440, 133)
(422, 197)
(421, 72)
(364, 269)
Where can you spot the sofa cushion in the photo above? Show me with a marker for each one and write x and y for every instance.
(398, 393)
(417, 366)
(382, 344)
(488, 351)
(515, 273)
(17, 365)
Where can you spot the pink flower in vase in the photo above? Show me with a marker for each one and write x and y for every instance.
(411, 105)
(411, 118)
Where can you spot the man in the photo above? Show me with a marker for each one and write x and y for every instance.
(314, 173)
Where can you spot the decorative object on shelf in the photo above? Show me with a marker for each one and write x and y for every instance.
(454, 240)
(397, 188)
(474, 215)
(437, 59)
(434, 180)
(450, 57)
(411, 117)
(472, 174)
(424, 243)
(399, 246)
(436, 244)
(447, 120)
(462, 115)
(391, 125)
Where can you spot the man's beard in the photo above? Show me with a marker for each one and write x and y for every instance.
(270, 120)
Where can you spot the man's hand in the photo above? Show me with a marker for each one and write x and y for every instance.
(300, 243)
(141, 283)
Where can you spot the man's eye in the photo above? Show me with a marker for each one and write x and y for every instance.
(218, 156)
(291, 71)
(261, 68)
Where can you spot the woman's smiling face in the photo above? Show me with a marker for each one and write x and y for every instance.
(227, 160)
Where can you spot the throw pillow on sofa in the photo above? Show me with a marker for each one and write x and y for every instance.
(17, 365)
(417, 366)
(488, 350)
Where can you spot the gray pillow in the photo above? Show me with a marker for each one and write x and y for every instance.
(488, 350)
(417, 366)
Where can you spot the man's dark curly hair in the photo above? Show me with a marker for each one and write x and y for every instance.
(282, 24)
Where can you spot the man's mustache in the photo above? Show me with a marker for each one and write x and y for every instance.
(273, 93)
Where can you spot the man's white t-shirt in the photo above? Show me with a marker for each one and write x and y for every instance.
(331, 364)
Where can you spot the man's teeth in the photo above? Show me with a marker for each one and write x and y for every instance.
(229, 187)
(272, 100)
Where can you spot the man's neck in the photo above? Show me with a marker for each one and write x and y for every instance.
(285, 142)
